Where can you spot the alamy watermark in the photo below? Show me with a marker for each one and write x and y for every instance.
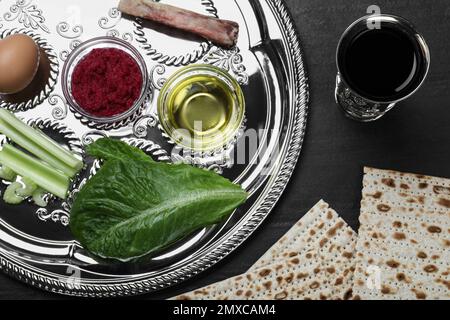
(73, 281)
(374, 11)
(373, 281)
(249, 147)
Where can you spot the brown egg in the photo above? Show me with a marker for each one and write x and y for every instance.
(19, 62)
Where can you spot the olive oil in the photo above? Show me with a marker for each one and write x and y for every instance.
(202, 105)
(202, 110)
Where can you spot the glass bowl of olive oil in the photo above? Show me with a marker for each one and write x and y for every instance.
(201, 107)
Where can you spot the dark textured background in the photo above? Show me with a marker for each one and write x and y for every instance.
(414, 137)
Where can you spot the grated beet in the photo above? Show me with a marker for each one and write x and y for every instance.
(107, 82)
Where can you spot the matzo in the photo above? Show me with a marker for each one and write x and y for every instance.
(309, 233)
(305, 235)
(281, 281)
(314, 260)
(404, 239)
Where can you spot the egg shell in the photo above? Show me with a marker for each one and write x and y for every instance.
(19, 62)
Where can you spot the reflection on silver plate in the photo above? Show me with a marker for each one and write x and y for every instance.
(268, 63)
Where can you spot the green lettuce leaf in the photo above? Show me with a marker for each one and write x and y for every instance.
(134, 208)
(112, 149)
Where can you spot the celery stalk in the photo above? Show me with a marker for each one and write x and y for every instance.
(43, 175)
(10, 196)
(7, 174)
(32, 147)
(39, 198)
(41, 140)
(28, 188)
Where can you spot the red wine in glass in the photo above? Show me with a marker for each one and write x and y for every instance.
(379, 66)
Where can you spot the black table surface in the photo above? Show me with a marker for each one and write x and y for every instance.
(414, 137)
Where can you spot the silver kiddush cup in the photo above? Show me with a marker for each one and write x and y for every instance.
(356, 104)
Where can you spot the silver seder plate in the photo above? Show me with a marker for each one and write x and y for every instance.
(36, 245)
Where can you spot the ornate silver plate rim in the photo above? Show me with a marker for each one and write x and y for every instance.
(145, 283)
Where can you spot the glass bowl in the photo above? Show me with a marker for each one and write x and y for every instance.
(78, 54)
(198, 140)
